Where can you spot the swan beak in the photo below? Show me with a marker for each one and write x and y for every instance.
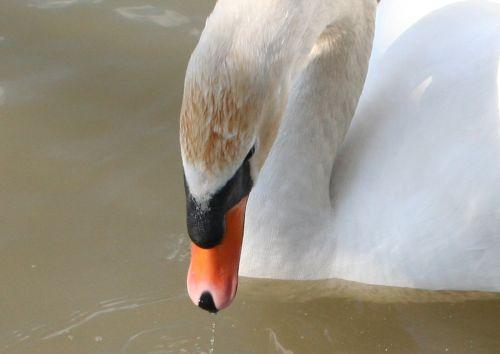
(213, 273)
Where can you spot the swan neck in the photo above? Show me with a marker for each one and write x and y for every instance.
(321, 103)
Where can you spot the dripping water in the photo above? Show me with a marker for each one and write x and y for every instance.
(212, 338)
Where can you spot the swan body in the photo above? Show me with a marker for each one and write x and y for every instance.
(415, 190)
(407, 195)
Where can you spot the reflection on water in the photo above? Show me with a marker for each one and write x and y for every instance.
(93, 250)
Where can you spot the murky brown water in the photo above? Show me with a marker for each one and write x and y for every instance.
(93, 251)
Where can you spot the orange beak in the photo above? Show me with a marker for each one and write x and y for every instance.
(213, 273)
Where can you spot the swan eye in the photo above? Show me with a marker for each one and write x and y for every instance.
(250, 153)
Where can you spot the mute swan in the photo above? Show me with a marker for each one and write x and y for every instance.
(413, 199)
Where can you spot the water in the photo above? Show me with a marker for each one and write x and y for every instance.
(93, 250)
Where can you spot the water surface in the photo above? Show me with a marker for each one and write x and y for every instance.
(93, 247)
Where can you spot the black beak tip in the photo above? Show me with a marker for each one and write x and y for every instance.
(207, 303)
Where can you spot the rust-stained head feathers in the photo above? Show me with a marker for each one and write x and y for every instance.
(219, 118)
(215, 127)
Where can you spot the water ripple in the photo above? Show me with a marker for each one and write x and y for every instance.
(110, 306)
(277, 345)
(57, 4)
(2, 95)
(149, 13)
(167, 339)
(178, 251)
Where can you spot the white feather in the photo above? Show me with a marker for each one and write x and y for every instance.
(415, 190)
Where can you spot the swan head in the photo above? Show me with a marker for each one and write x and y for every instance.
(224, 142)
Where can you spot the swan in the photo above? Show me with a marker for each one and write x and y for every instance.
(279, 184)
